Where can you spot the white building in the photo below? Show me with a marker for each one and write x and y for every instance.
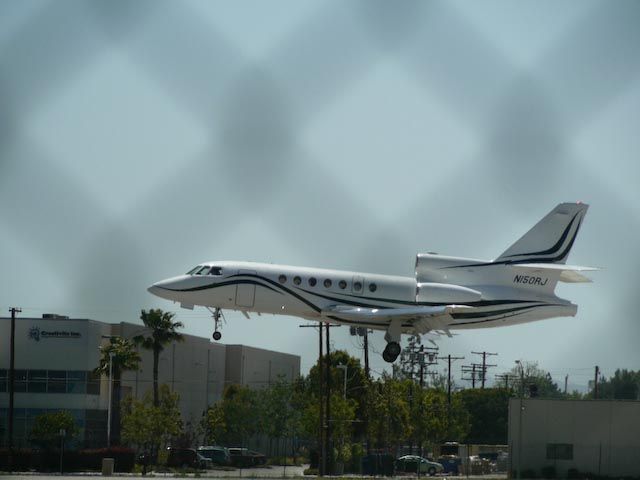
(599, 437)
(55, 357)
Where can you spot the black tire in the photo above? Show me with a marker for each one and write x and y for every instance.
(217, 336)
(387, 357)
(393, 348)
(431, 471)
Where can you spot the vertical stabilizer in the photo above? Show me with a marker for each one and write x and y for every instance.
(551, 239)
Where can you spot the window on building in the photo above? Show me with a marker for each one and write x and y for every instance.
(57, 381)
(559, 451)
(93, 383)
(76, 382)
(327, 283)
(312, 281)
(37, 381)
(373, 287)
(342, 284)
(20, 381)
(297, 280)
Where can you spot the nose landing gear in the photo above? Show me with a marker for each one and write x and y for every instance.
(217, 318)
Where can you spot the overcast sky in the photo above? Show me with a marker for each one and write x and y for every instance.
(138, 139)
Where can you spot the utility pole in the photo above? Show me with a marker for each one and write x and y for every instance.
(566, 381)
(449, 360)
(12, 374)
(366, 353)
(328, 448)
(504, 377)
(321, 444)
(484, 364)
(595, 383)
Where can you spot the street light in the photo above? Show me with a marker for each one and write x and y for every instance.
(519, 363)
(345, 368)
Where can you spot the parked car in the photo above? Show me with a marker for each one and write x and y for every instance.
(186, 458)
(217, 455)
(243, 457)
(411, 463)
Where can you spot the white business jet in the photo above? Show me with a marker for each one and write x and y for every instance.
(446, 293)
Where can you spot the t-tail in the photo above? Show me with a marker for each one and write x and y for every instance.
(533, 265)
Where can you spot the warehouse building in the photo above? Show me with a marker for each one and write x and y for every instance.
(548, 438)
(55, 357)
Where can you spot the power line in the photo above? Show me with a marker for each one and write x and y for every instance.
(484, 364)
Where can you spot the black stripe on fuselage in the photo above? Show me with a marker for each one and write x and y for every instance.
(316, 308)
(557, 258)
(556, 246)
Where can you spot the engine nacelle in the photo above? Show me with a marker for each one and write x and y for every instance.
(445, 293)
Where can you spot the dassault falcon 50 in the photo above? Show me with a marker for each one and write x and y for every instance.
(446, 293)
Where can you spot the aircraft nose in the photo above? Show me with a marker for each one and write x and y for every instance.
(153, 289)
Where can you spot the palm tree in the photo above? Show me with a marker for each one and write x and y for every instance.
(121, 354)
(163, 332)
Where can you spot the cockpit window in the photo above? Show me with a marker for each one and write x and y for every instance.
(204, 270)
(216, 271)
(193, 270)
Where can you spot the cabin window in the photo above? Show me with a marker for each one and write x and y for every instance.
(312, 281)
(282, 278)
(373, 287)
(297, 280)
(357, 286)
(203, 271)
(342, 284)
(216, 271)
(327, 283)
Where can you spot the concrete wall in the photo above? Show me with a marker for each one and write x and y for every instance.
(194, 368)
(604, 435)
(257, 368)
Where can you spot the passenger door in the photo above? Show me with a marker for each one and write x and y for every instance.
(245, 292)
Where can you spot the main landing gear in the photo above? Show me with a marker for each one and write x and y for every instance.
(217, 318)
(392, 350)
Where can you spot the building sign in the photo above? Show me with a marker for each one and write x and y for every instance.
(35, 333)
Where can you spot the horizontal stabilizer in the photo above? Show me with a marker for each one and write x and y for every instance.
(568, 273)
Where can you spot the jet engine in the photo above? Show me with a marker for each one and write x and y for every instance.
(446, 293)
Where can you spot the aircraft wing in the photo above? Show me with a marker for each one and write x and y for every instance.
(421, 319)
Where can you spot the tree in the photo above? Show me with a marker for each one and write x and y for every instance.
(624, 385)
(118, 356)
(150, 427)
(163, 332)
(47, 426)
(537, 382)
(234, 418)
(488, 410)
(389, 418)
(434, 420)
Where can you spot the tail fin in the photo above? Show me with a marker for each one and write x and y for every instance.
(550, 240)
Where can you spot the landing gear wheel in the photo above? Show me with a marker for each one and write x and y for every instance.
(217, 318)
(387, 357)
(391, 352)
